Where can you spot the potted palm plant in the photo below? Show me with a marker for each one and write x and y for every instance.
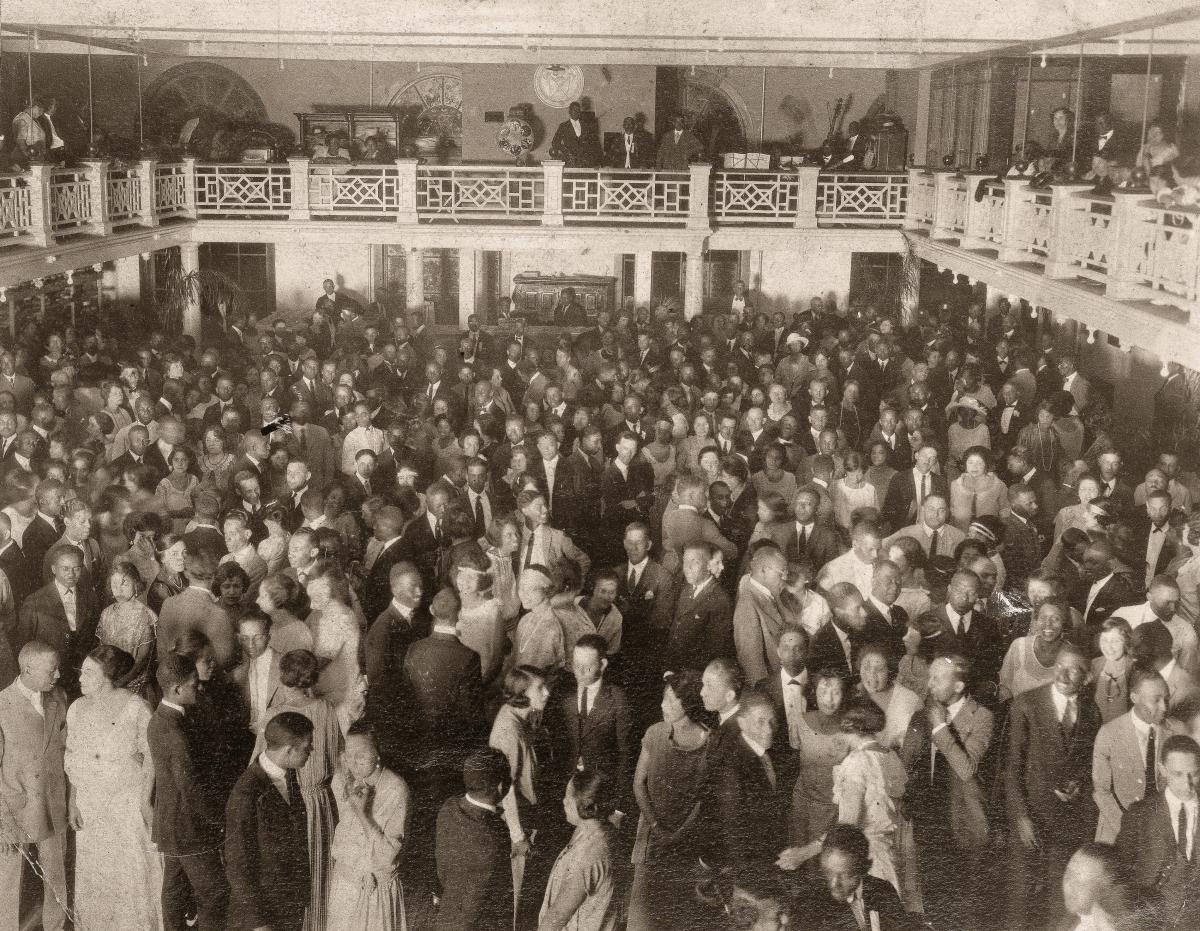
(208, 288)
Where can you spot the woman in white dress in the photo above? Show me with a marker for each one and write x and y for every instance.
(335, 631)
(897, 703)
(851, 491)
(504, 542)
(118, 875)
(1029, 661)
(479, 623)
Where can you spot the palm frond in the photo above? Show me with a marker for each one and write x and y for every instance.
(910, 284)
(209, 288)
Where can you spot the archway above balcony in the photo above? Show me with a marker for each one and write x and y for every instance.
(435, 99)
(212, 94)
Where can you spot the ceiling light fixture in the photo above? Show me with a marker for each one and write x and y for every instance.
(1165, 370)
(1043, 61)
(1091, 338)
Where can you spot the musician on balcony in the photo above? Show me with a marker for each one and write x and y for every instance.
(854, 153)
(577, 139)
(678, 148)
(633, 147)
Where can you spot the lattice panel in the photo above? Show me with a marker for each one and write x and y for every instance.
(363, 191)
(241, 189)
(650, 197)
(124, 196)
(15, 209)
(499, 192)
(870, 199)
(170, 190)
(70, 201)
(765, 198)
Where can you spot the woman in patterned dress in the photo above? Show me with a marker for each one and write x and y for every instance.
(129, 625)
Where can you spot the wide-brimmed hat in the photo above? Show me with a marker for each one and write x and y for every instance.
(970, 403)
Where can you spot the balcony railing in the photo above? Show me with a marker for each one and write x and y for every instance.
(16, 209)
(630, 196)
(462, 192)
(862, 199)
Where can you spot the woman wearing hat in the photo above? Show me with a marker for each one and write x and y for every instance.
(969, 430)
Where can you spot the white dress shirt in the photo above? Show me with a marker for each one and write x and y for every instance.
(1191, 808)
(68, 596)
(794, 703)
(1093, 592)
(34, 698)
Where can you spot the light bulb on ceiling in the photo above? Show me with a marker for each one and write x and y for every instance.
(1033, 312)
(1091, 337)
(1043, 61)
(1164, 371)
(145, 60)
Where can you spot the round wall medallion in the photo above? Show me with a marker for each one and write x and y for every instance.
(558, 85)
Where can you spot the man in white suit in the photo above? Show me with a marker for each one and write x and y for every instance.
(758, 619)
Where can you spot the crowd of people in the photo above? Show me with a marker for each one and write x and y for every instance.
(745, 621)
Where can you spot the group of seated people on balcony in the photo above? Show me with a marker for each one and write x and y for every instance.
(763, 618)
(1111, 157)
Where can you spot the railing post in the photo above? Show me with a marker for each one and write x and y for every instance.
(940, 228)
(806, 197)
(699, 177)
(300, 207)
(1014, 190)
(41, 212)
(189, 187)
(552, 192)
(693, 285)
(1064, 205)
(146, 181)
(973, 229)
(912, 219)
(406, 191)
(1122, 273)
(96, 173)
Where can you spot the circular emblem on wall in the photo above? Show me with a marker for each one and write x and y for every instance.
(558, 85)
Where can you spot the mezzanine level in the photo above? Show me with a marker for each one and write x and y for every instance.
(1120, 264)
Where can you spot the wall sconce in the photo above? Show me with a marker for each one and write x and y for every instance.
(70, 276)
(1091, 337)
(1042, 64)
(1164, 371)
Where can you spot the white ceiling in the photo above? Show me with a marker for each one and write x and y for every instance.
(841, 33)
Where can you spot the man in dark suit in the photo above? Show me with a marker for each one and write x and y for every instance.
(854, 150)
(1159, 843)
(187, 816)
(835, 645)
(266, 832)
(702, 627)
(253, 458)
(943, 751)
(424, 537)
(721, 687)
(1155, 544)
(597, 724)
(576, 140)
(632, 147)
(646, 600)
(214, 413)
(1171, 404)
(746, 792)
(967, 631)
(854, 900)
(882, 611)
(473, 851)
(678, 147)
(907, 490)
(441, 685)
(309, 387)
(46, 526)
(787, 690)
(14, 564)
(1023, 550)
(388, 550)
(1048, 792)
(1106, 590)
(811, 539)
(558, 482)
(63, 614)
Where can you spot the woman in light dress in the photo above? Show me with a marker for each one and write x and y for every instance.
(277, 597)
(1029, 661)
(216, 462)
(176, 491)
(802, 605)
(365, 892)
(503, 543)
(819, 729)
(335, 629)
(479, 623)
(851, 491)
(579, 893)
(129, 625)
(660, 454)
(118, 874)
(1110, 670)
(297, 682)
(273, 548)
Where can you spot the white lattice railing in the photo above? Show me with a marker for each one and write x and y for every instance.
(453, 192)
(755, 196)
(1089, 230)
(245, 190)
(70, 201)
(16, 215)
(862, 199)
(1032, 222)
(987, 215)
(124, 195)
(361, 190)
(171, 191)
(637, 196)
(1162, 253)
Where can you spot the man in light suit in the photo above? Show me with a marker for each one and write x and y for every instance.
(937, 538)
(943, 751)
(33, 786)
(686, 525)
(758, 619)
(678, 147)
(543, 545)
(702, 628)
(258, 674)
(1076, 384)
(1127, 753)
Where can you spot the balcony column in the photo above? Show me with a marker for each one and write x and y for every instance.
(1014, 194)
(406, 193)
(693, 285)
(942, 182)
(976, 226)
(189, 187)
(146, 169)
(468, 263)
(128, 280)
(1123, 280)
(300, 209)
(643, 263)
(1065, 204)
(414, 279)
(96, 172)
(41, 212)
(552, 198)
(189, 261)
(912, 219)
(806, 198)
(699, 178)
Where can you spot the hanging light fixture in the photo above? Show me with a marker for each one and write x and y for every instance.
(1042, 64)
(1165, 370)
(91, 101)
(1146, 91)
(1091, 337)
(141, 123)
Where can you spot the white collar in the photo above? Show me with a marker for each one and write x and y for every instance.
(403, 610)
(171, 704)
(1104, 581)
(955, 707)
(271, 768)
(640, 567)
(484, 805)
(761, 588)
(785, 677)
(724, 716)
(759, 751)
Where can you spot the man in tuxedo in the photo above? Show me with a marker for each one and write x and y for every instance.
(1107, 591)
(855, 899)
(266, 832)
(944, 750)
(678, 147)
(633, 148)
(1047, 778)
(576, 140)
(62, 614)
(1128, 751)
(1023, 550)
(473, 850)
(597, 722)
(1157, 544)
(746, 790)
(702, 627)
(787, 690)
(33, 814)
(1159, 843)
(882, 611)
(187, 816)
(441, 684)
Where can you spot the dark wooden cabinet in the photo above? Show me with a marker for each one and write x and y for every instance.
(536, 295)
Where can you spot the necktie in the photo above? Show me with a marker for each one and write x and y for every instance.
(769, 768)
(933, 543)
(295, 800)
(801, 540)
(1151, 767)
(583, 705)
(631, 582)
(1182, 836)
(924, 489)
(529, 551)
(437, 531)
(1068, 719)
(974, 504)
(479, 528)
(300, 439)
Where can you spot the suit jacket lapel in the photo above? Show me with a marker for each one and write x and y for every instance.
(597, 711)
